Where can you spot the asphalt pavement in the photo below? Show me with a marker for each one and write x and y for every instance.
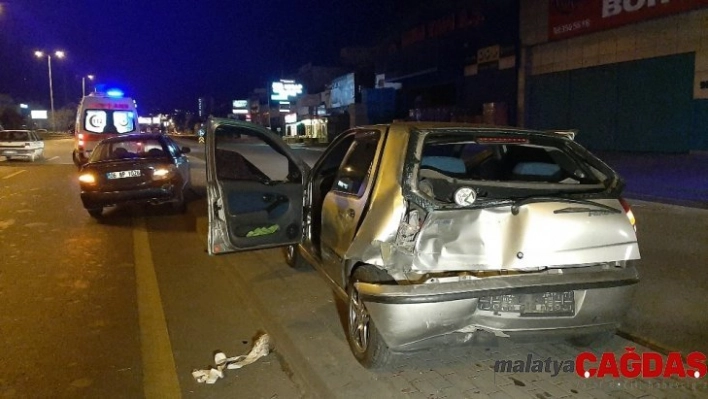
(678, 179)
(666, 314)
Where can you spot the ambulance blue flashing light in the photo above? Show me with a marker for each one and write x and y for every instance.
(116, 93)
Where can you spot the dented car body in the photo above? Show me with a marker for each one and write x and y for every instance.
(438, 231)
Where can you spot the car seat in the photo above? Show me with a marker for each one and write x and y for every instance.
(155, 153)
(120, 152)
(444, 164)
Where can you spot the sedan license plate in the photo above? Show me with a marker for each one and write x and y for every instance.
(538, 304)
(123, 174)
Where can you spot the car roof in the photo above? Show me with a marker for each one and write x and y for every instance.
(406, 127)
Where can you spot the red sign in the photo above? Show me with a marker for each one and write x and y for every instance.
(110, 105)
(568, 18)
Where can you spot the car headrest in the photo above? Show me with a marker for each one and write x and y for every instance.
(540, 169)
(444, 164)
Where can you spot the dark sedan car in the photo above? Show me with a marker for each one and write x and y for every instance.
(134, 168)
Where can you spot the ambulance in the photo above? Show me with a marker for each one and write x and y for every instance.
(100, 116)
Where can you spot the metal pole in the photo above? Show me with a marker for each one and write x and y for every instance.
(83, 86)
(51, 90)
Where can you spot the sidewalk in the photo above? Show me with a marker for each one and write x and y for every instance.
(667, 313)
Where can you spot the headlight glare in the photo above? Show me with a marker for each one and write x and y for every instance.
(87, 178)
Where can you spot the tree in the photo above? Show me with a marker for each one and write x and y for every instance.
(65, 117)
(10, 118)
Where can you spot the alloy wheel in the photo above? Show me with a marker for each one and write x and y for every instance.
(358, 321)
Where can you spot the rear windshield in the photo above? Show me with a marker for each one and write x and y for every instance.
(8, 135)
(506, 166)
(128, 149)
(109, 121)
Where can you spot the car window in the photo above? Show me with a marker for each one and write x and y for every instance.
(9, 135)
(500, 166)
(127, 149)
(172, 147)
(241, 155)
(353, 173)
(107, 121)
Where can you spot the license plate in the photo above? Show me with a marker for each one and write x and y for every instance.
(537, 304)
(123, 174)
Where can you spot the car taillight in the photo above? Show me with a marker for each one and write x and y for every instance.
(628, 211)
(87, 178)
(81, 139)
(162, 172)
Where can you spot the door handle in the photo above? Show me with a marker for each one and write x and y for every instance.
(349, 213)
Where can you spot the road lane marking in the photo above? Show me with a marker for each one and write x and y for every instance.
(14, 174)
(53, 158)
(159, 370)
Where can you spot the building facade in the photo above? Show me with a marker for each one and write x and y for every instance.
(629, 75)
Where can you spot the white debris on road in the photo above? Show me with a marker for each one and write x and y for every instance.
(209, 376)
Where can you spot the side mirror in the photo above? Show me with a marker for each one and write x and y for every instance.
(186, 150)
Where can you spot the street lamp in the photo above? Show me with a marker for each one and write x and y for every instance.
(58, 54)
(83, 84)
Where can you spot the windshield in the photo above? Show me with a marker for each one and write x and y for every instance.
(128, 149)
(504, 166)
(9, 135)
(109, 121)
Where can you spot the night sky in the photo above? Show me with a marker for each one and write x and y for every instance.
(166, 54)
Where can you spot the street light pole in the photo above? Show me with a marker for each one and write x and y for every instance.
(59, 54)
(83, 84)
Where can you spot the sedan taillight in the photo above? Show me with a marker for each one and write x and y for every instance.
(163, 172)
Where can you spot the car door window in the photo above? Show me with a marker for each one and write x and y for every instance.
(173, 148)
(353, 174)
(255, 188)
(240, 156)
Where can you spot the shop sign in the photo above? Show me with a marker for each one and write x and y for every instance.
(284, 90)
(568, 18)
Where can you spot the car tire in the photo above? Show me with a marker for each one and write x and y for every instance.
(293, 257)
(584, 341)
(95, 213)
(364, 339)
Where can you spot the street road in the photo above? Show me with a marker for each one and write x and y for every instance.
(129, 306)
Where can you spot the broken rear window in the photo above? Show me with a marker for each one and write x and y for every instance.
(505, 165)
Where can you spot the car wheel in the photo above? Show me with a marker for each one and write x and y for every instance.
(95, 212)
(364, 339)
(293, 257)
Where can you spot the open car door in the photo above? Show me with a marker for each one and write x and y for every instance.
(255, 187)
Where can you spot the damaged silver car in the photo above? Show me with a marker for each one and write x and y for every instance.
(435, 232)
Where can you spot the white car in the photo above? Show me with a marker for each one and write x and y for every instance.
(24, 144)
